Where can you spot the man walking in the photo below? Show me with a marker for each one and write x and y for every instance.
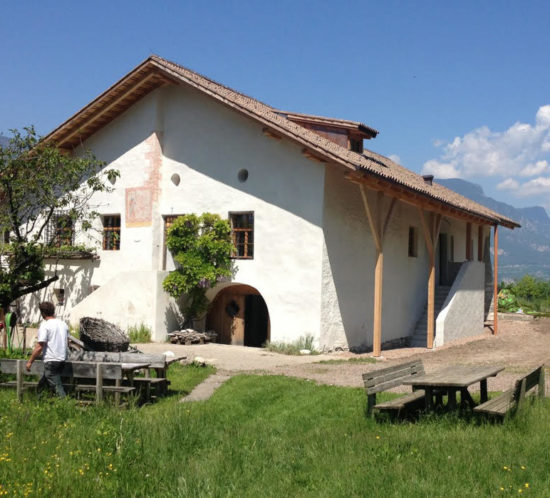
(52, 343)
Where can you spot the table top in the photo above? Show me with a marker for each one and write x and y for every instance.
(455, 376)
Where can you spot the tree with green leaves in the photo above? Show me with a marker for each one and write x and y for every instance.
(40, 185)
(201, 246)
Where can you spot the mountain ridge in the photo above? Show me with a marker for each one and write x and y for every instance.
(523, 250)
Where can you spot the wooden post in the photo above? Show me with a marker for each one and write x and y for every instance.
(431, 234)
(495, 282)
(19, 379)
(377, 325)
(480, 243)
(376, 228)
(99, 384)
(469, 255)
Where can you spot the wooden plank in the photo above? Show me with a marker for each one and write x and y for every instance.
(371, 380)
(497, 406)
(155, 360)
(401, 402)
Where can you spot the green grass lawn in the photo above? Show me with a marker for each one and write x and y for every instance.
(264, 436)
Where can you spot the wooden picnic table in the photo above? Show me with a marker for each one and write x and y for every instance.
(453, 379)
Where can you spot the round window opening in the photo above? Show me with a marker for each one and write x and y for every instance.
(243, 175)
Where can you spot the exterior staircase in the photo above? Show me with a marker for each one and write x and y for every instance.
(418, 338)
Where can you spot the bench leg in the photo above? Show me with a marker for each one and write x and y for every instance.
(429, 398)
(451, 399)
(371, 401)
(117, 394)
(483, 391)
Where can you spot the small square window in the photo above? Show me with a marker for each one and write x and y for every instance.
(413, 242)
(61, 230)
(242, 232)
(111, 233)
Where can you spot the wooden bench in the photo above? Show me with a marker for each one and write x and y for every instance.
(386, 378)
(73, 370)
(511, 400)
(158, 363)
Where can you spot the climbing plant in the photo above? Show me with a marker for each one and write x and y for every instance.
(201, 246)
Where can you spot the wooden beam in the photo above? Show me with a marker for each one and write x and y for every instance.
(271, 134)
(480, 243)
(415, 198)
(431, 234)
(378, 287)
(373, 218)
(378, 229)
(388, 216)
(495, 282)
(120, 98)
(469, 255)
(310, 155)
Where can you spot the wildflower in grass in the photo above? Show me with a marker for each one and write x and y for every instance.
(526, 484)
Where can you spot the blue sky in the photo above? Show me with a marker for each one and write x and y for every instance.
(455, 88)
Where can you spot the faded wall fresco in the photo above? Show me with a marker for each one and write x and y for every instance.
(139, 206)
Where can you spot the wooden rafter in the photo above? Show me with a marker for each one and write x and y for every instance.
(113, 105)
(416, 199)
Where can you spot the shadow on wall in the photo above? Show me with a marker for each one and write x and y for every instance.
(75, 279)
(235, 143)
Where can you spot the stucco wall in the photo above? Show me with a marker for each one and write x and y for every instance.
(463, 311)
(131, 298)
(180, 131)
(349, 258)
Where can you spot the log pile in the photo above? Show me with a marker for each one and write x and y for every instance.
(190, 336)
(99, 335)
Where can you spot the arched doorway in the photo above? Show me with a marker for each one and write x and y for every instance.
(240, 317)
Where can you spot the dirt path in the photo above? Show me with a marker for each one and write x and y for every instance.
(520, 345)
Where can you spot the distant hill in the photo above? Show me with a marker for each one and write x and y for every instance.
(525, 249)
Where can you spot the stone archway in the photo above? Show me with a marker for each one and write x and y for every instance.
(240, 316)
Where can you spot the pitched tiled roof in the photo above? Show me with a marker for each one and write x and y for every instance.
(156, 71)
(335, 122)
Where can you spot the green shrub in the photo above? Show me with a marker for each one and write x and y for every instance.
(292, 348)
(139, 333)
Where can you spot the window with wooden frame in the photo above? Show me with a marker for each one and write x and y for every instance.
(61, 230)
(6, 237)
(242, 232)
(111, 232)
(413, 242)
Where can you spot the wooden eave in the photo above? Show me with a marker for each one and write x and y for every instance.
(110, 104)
(424, 201)
(357, 129)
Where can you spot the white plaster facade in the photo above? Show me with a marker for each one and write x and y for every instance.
(314, 254)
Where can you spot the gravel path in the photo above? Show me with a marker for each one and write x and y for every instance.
(519, 346)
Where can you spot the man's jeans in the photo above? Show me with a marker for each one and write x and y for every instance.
(52, 378)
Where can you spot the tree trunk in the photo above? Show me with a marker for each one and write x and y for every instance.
(3, 322)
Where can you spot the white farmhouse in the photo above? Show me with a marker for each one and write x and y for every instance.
(332, 240)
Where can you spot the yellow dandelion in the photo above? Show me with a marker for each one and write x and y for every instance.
(526, 484)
